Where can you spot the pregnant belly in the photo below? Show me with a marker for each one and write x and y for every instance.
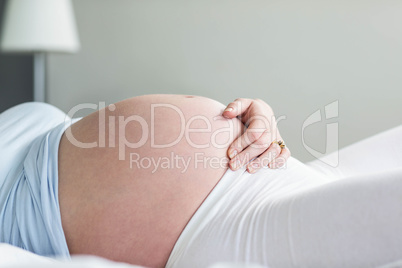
(132, 175)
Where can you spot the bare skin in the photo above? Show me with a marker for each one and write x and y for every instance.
(135, 214)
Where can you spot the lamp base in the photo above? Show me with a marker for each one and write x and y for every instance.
(39, 93)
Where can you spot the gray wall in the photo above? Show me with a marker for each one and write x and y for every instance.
(297, 55)
(16, 76)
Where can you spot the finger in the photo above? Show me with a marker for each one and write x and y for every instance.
(280, 161)
(237, 107)
(255, 130)
(265, 158)
(252, 151)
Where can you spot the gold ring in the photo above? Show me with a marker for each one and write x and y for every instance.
(280, 143)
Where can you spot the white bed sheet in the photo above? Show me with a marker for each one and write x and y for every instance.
(14, 257)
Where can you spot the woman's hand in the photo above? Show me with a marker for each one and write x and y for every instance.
(259, 142)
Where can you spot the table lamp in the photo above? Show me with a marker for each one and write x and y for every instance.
(39, 26)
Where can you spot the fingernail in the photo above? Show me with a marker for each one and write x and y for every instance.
(229, 109)
(252, 167)
(235, 165)
(232, 153)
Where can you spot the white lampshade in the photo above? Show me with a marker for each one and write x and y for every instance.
(39, 26)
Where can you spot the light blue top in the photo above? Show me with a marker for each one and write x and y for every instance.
(29, 206)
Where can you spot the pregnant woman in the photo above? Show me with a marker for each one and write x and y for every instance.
(146, 181)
